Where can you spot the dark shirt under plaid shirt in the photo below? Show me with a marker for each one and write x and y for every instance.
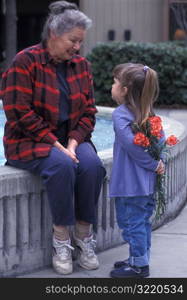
(31, 98)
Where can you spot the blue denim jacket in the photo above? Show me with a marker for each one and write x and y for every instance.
(133, 171)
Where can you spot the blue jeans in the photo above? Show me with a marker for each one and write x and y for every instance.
(133, 217)
(72, 189)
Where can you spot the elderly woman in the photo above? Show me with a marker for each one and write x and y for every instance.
(47, 95)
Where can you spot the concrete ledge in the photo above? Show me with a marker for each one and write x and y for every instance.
(25, 223)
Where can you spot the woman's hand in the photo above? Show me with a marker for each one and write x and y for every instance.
(72, 145)
(160, 168)
(66, 151)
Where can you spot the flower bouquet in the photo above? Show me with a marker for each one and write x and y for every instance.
(152, 138)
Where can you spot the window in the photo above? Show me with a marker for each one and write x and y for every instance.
(175, 20)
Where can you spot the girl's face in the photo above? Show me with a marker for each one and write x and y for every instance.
(65, 46)
(118, 92)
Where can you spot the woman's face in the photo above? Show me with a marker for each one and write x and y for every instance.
(65, 46)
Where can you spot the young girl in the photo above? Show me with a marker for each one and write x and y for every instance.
(135, 89)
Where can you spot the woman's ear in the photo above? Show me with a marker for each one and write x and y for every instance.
(52, 35)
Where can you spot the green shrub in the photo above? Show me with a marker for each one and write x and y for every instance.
(169, 59)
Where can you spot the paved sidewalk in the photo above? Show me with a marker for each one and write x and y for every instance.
(168, 258)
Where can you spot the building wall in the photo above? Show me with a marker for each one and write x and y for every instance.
(144, 18)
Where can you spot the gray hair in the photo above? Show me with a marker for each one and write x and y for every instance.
(63, 17)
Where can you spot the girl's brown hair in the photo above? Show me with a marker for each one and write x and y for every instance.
(142, 89)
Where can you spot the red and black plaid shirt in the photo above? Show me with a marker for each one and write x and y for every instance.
(31, 97)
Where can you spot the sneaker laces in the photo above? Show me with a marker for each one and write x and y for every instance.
(90, 245)
(62, 247)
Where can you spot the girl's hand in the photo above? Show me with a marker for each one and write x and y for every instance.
(160, 168)
(66, 151)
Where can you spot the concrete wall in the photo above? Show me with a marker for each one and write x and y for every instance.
(25, 220)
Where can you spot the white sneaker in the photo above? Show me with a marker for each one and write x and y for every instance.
(62, 258)
(87, 258)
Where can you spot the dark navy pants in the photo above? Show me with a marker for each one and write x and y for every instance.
(73, 189)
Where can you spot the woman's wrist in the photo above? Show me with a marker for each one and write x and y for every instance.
(72, 144)
(58, 145)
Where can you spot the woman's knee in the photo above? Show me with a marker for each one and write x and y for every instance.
(58, 162)
(89, 161)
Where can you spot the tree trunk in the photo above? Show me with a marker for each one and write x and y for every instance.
(10, 31)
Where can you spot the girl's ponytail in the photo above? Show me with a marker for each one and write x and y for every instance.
(149, 94)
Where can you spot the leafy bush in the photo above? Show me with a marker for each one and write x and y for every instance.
(169, 59)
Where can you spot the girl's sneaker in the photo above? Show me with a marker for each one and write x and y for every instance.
(121, 263)
(130, 272)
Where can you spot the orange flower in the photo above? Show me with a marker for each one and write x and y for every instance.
(155, 119)
(171, 140)
(156, 132)
(156, 126)
(141, 140)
